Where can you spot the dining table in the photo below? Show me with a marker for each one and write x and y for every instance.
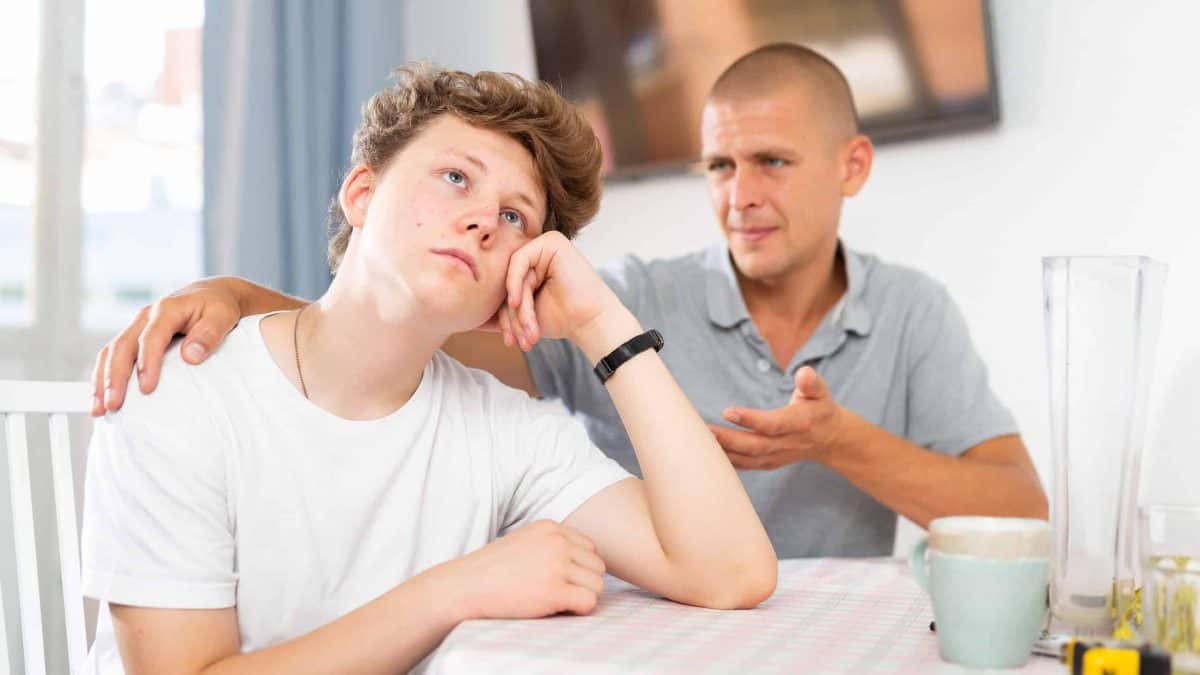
(827, 615)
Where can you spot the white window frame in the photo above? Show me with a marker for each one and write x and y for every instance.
(55, 346)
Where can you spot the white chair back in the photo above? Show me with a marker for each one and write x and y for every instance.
(58, 399)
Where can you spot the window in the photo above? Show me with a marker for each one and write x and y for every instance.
(100, 172)
(142, 168)
(18, 85)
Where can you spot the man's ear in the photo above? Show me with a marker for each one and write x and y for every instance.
(856, 157)
(356, 193)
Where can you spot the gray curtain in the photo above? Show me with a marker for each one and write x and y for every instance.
(284, 81)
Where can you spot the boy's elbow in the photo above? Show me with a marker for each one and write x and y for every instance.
(746, 589)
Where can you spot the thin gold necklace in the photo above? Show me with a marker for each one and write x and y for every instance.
(296, 348)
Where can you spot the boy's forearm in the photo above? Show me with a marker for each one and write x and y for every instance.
(390, 634)
(254, 299)
(703, 518)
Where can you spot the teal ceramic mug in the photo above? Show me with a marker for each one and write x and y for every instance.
(988, 580)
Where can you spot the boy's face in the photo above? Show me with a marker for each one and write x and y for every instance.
(443, 218)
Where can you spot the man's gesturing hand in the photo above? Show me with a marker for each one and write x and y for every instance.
(801, 430)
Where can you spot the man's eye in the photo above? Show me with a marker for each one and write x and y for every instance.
(718, 165)
(454, 177)
(775, 162)
(513, 218)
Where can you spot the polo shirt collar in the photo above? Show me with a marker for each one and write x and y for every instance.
(727, 308)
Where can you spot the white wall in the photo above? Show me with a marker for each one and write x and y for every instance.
(1097, 153)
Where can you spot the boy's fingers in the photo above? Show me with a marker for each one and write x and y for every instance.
(578, 538)
(515, 325)
(588, 559)
(529, 313)
(579, 600)
(505, 328)
(586, 578)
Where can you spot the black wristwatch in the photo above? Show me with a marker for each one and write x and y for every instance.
(609, 364)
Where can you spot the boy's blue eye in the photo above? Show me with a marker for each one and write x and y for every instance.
(513, 218)
(454, 177)
(775, 162)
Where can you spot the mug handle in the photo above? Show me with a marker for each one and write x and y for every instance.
(918, 565)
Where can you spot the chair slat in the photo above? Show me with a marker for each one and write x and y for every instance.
(68, 540)
(23, 538)
(4, 663)
(44, 397)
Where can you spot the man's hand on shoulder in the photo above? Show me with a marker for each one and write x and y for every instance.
(204, 312)
(802, 430)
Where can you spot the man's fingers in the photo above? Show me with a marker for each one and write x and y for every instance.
(98, 382)
(152, 345)
(119, 362)
(809, 384)
(753, 462)
(769, 422)
(742, 442)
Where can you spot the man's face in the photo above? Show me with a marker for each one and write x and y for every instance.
(776, 181)
(445, 216)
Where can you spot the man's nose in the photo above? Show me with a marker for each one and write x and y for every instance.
(744, 191)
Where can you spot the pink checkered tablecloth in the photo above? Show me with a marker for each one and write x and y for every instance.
(827, 616)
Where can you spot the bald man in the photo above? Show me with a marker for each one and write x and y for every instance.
(846, 389)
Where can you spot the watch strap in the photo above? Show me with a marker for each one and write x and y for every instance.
(631, 348)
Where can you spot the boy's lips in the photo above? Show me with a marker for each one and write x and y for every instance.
(462, 257)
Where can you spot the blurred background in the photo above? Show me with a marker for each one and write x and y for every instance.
(144, 144)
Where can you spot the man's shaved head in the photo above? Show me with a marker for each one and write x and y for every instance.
(782, 67)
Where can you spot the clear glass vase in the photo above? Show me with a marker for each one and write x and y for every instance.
(1102, 320)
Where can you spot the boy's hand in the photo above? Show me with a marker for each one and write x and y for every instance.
(554, 292)
(205, 311)
(541, 569)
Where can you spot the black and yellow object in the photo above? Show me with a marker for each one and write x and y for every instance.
(1083, 658)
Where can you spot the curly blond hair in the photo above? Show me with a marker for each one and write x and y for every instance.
(562, 144)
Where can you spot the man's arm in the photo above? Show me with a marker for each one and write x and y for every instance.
(486, 350)
(995, 477)
(207, 310)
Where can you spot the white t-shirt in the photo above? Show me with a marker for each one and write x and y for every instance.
(227, 487)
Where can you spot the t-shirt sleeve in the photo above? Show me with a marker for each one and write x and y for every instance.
(952, 407)
(560, 370)
(548, 467)
(157, 527)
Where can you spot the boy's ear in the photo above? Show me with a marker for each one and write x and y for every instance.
(355, 194)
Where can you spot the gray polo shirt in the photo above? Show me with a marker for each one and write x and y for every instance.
(895, 351)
